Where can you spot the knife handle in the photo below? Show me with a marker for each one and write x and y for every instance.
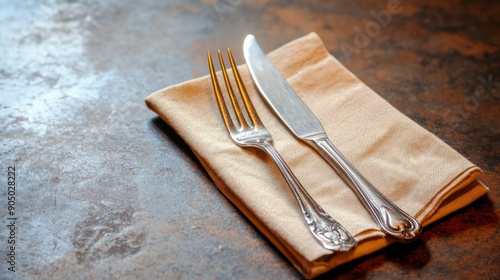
(392, 220)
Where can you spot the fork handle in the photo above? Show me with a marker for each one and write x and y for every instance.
(392, 220)
(327, 231)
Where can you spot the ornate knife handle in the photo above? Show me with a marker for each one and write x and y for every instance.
(392, 220)
(327, 231)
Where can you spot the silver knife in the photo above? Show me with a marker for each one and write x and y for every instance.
(299, 119)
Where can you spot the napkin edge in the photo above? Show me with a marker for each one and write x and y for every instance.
(304, 266)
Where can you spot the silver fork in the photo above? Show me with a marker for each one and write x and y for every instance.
(327, 231)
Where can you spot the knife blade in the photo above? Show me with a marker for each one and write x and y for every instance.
(302, 122)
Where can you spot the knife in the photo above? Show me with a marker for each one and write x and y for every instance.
(301, 121)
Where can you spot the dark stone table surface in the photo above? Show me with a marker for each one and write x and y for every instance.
(107, 190)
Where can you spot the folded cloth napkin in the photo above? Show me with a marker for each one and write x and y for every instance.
(412, 167)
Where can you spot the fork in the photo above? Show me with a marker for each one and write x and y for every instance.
(246, 130)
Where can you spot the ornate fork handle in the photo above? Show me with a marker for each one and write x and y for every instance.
(331, 234)
(393, 221)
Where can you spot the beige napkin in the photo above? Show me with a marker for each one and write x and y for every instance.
(412, 167)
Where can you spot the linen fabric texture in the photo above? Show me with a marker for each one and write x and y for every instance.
(412, 167)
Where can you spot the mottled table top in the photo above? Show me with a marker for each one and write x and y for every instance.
(105, 189)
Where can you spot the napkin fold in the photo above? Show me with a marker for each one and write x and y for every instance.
(408, 164)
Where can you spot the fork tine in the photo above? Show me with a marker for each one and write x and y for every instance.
(252, 113)
(234, 102)
(218, 95)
